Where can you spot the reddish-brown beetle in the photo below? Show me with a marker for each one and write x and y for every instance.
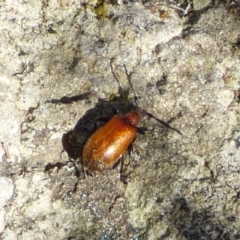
(108, 143)
(104, 148)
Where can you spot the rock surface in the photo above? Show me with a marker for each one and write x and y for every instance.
(54, 69)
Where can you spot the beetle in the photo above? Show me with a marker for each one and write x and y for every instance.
(104, 148)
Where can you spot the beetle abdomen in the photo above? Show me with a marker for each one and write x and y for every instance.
(108, 143)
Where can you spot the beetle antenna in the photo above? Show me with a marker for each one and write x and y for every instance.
(162, 122)
(130, 84)
(114, 75)
(120, 89)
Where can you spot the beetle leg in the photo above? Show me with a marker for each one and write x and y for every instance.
(125, 162)
(130, 149)
(123, 169)
(138, 149)
(141, 130)
(126, 170)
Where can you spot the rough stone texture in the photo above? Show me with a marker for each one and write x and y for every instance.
(55, 66)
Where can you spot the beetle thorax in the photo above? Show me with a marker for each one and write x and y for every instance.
(133, 117)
